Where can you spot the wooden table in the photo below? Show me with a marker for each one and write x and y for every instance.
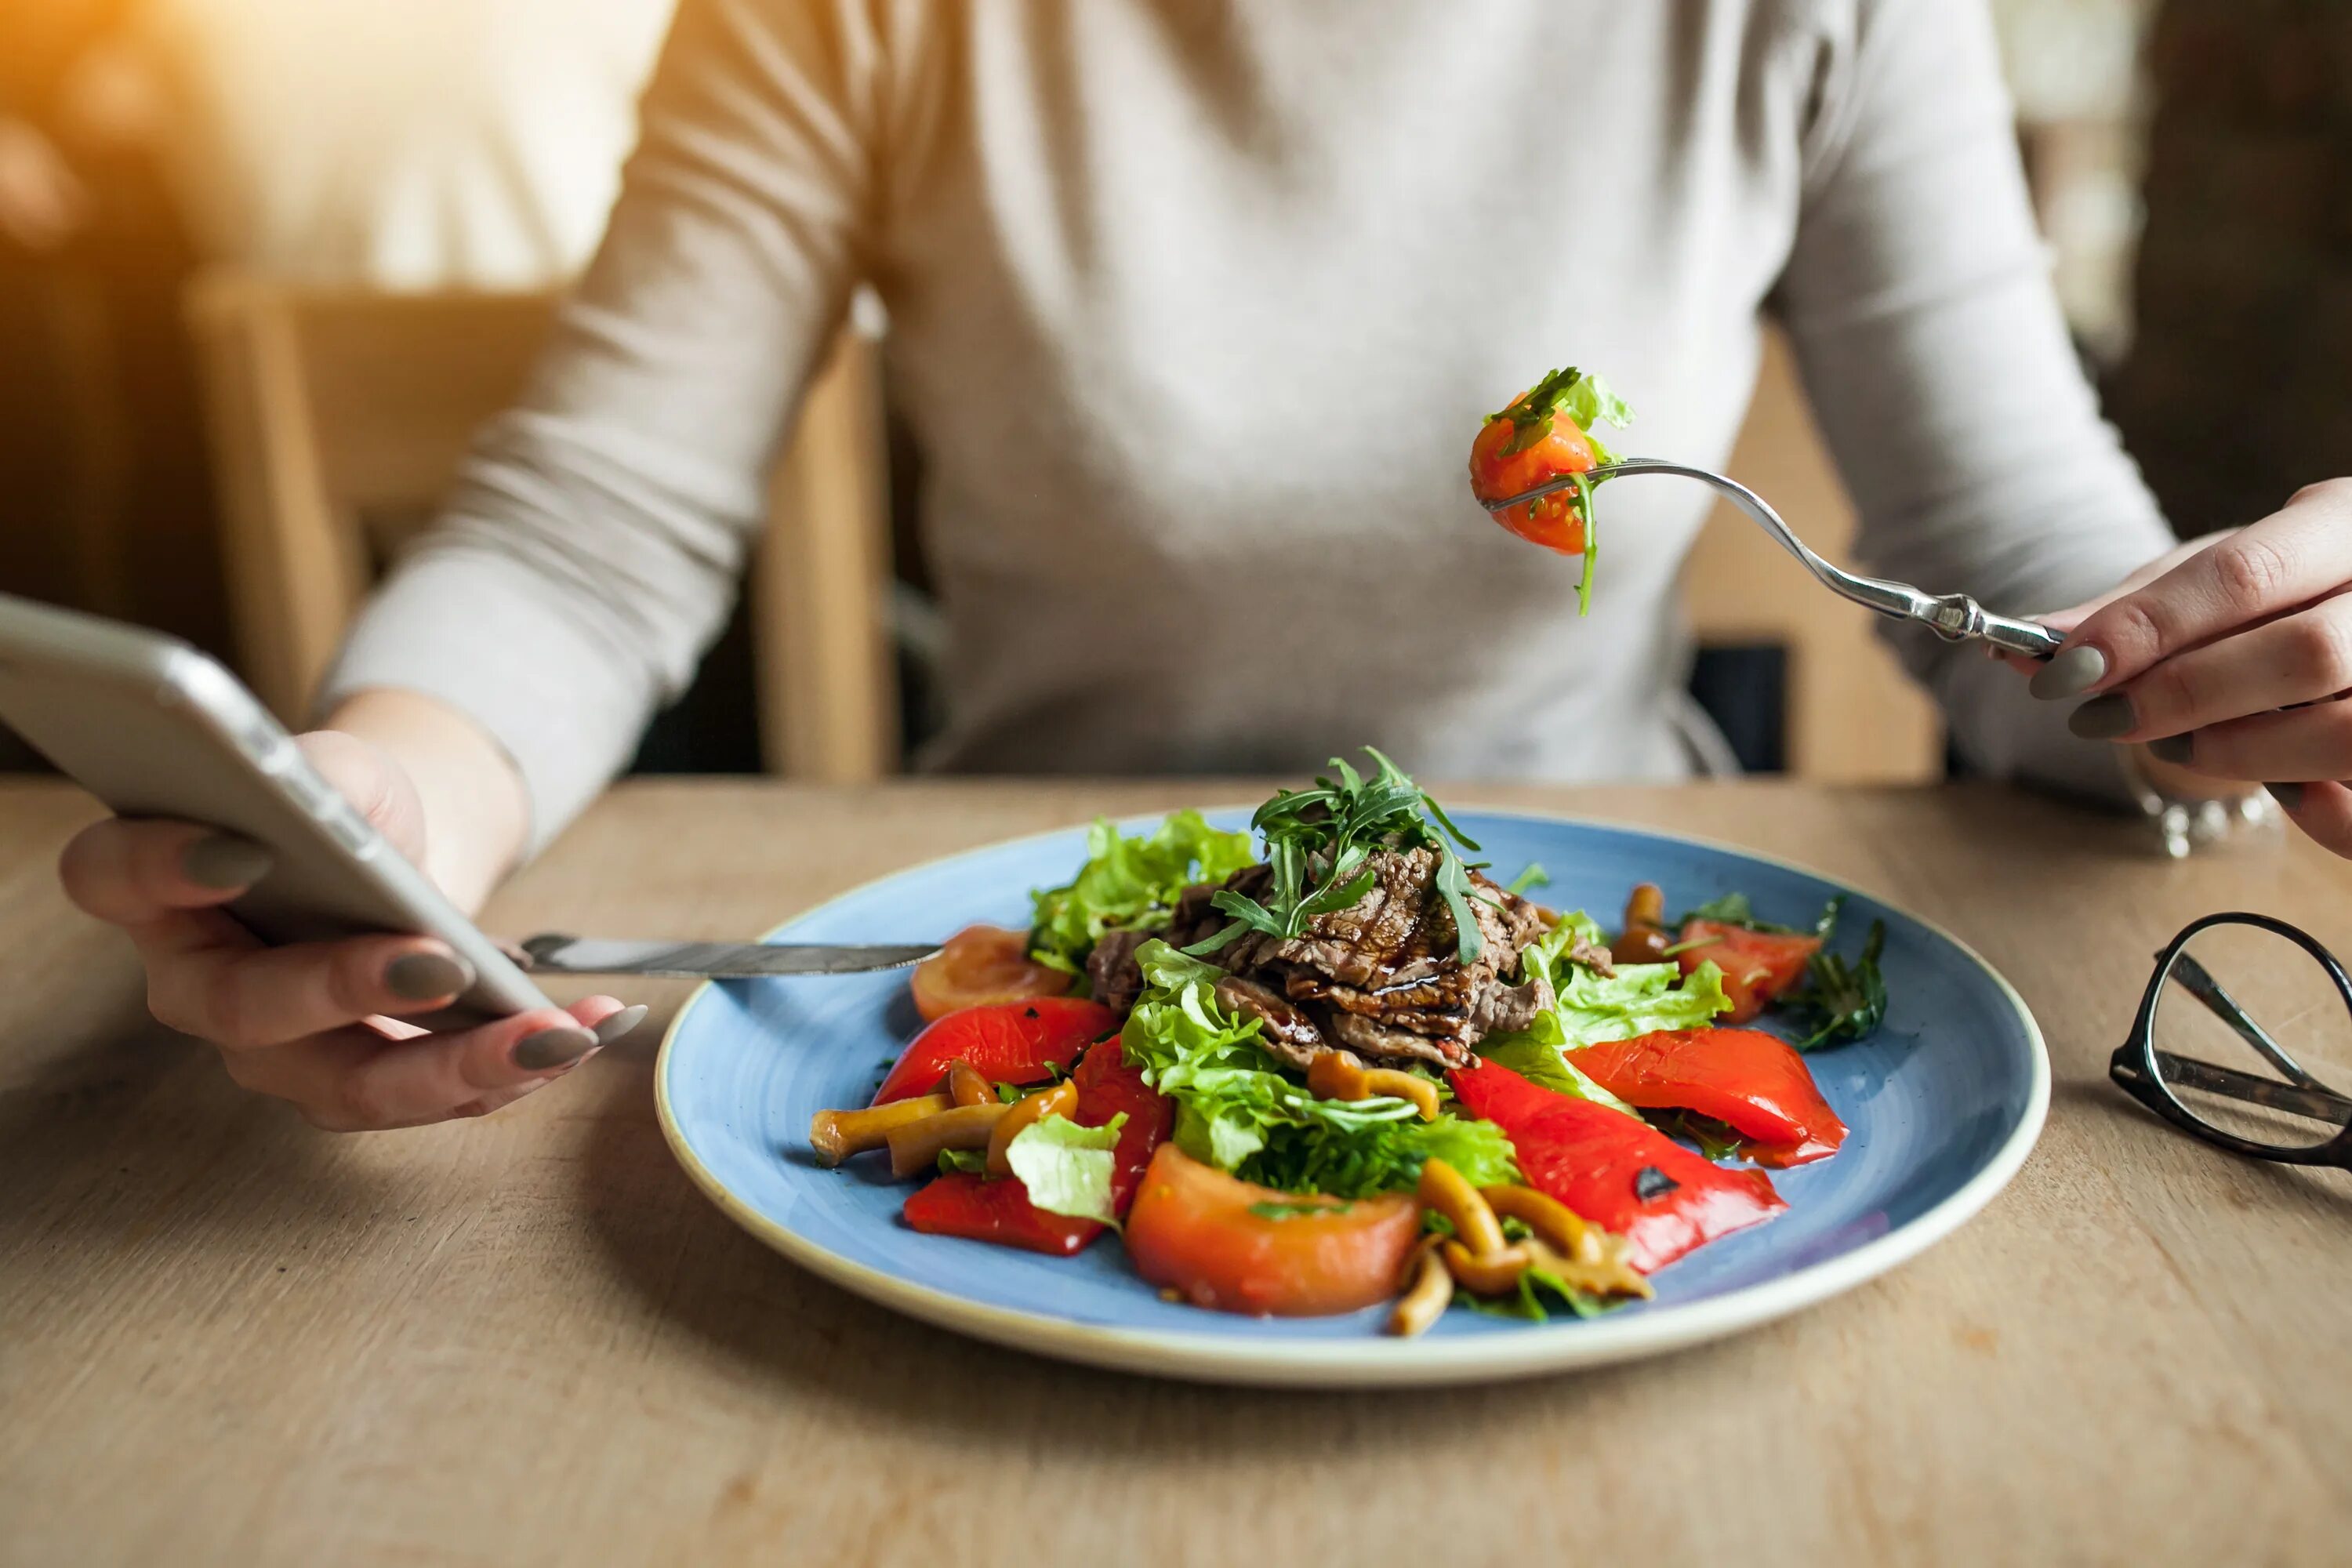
(226, 1338)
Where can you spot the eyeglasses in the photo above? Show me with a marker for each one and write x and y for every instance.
(2220, 1068)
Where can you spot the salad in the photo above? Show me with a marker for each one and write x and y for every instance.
(1331, 1063)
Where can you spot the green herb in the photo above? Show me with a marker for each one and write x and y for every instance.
(1238, 1111)
(1527, 1300)
(971, 1162)
(1733, 910)
(1319, 839)
(1847, 999)
(1715, 1140)
(1066, 1168)
(1290, 1209)
(1130, 883)
(1535, 876)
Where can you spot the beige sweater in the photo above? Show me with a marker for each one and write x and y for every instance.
(1194, 307)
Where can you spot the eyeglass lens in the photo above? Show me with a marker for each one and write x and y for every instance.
(2254, 1037)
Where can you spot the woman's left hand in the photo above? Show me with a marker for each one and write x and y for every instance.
(2231, 658)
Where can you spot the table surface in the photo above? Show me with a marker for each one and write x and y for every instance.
(228, 1338)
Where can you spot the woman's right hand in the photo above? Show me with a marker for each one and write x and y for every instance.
(314, 1023)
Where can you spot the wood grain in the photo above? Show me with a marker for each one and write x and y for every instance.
(226, 1338)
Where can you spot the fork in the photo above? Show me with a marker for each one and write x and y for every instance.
(1952, 616)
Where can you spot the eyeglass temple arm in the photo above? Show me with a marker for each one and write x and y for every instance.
(2319, 1104)
(2207, 990)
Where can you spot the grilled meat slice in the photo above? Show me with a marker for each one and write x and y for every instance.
(1112, 975)
(1288, 1031)
(1369, 1037)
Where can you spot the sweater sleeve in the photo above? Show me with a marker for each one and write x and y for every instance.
(1931, 344)
(591, 546)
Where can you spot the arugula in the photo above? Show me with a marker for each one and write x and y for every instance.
(1532, 876)
(1527, 1302)
(1237, 1109)
(1066, 1168)
(1847, 997)
(1319, 839)
(1130, 883)
(1734, 909)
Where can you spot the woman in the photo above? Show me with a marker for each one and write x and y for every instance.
(1195, 309)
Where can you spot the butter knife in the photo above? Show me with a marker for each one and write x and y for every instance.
(555, 953)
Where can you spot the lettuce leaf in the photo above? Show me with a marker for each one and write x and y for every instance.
(1130, 883)
(1066, 1168)
(1589, 1007)
(1238, 1109)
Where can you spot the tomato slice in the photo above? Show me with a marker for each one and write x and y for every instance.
(1758, 1084)
(1011, 1042)
(1759, 967)
(966, 1204)
(1555, 521)
(1615, 1170)
(1234, 1245)
(978, 965)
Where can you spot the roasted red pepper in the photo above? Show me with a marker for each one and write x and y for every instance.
(1008, 1042)
(961, 1203)
(1757, 1084)
(1759, 967)
(1616, 1171)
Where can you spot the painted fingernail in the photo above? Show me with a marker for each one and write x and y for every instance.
(618, 1025)
(2102, 718)
(225, 860)
(416, 975)
(2070, 674)
(555, 1047)
(2173, 749)
(2289, 796)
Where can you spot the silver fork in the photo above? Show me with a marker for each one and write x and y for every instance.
(1953, 616)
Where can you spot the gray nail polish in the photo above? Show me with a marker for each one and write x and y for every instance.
(620, 1023)
(2102, 718)
(2173, 749)
(417, 975)
(2289, 796)
(225, 860)
(2070, 674)
(555, 1047)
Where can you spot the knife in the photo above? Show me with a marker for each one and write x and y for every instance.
(555, 953)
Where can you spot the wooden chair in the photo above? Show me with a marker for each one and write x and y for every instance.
(338, 419)
(1852, 716)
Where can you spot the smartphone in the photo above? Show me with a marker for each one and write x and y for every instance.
(155, 728)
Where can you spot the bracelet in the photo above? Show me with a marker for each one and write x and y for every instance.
(2185, 825)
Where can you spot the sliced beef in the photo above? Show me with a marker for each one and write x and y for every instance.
(1113, 976)
(1382, 977)
(1288, 1032)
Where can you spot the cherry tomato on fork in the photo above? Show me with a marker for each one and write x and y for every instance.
(1555, 521)
(980, 964)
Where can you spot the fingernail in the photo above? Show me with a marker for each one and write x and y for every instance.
(555, 1047)
(2289, 796)
(2102, 718)
(2070, 674)
(2173, 749)
(225, 860)
(416, 975)
(619, 1025)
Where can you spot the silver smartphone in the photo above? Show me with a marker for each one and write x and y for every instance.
(155, 728)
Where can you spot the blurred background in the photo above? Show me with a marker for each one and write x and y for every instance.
(262, 262)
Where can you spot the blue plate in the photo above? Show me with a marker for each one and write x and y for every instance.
(1942, 1106)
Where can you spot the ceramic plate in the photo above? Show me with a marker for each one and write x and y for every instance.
(1942, 1104)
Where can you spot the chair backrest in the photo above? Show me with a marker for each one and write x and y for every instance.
(338, 419)
(1852, 716)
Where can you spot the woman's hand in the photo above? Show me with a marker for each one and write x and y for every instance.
(2231, 658)
(316, 1023)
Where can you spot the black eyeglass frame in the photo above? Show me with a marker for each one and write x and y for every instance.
(2134, 1067)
